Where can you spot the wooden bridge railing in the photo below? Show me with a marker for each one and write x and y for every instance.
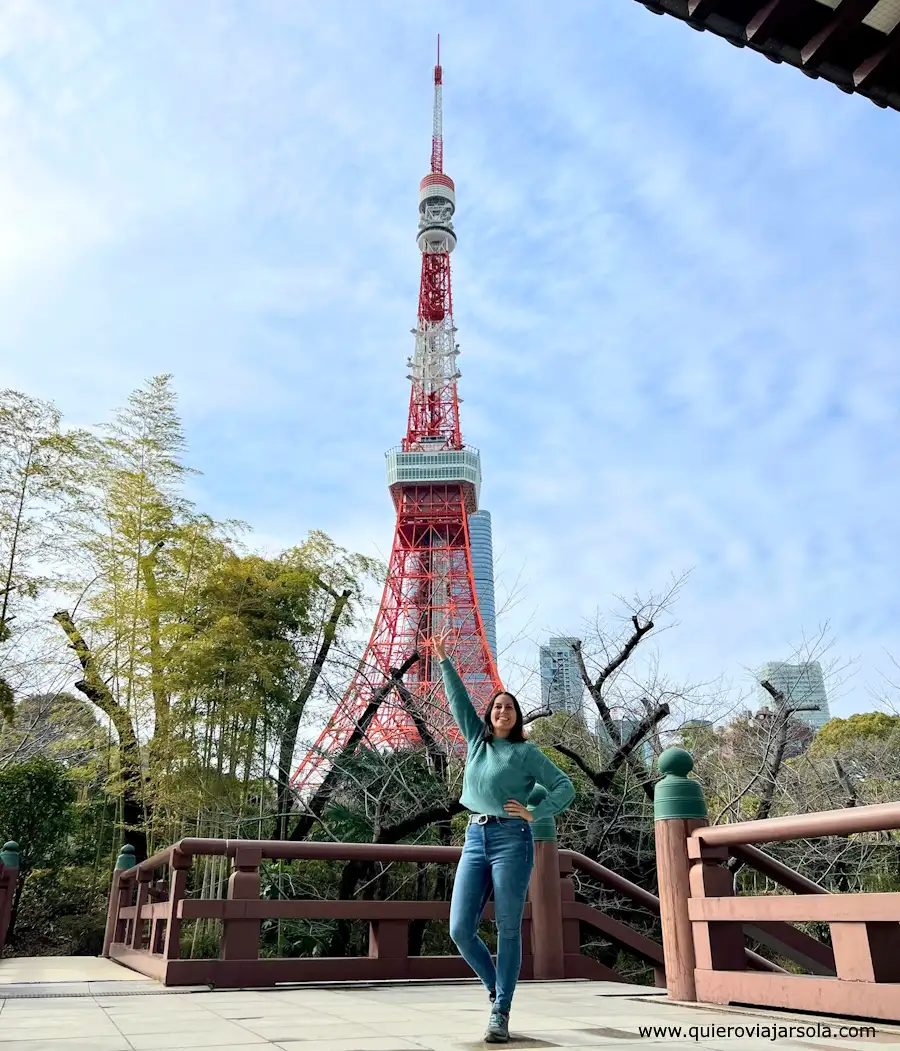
(149, 903)
(704, 923)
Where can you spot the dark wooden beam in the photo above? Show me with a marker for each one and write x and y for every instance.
(865, 72)
(760, 26)
(821, 46)
(701, 8)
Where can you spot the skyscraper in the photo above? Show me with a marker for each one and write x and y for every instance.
(482, 545)
(803, 686)
(562, 689)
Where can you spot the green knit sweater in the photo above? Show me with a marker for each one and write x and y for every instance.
(502, 770)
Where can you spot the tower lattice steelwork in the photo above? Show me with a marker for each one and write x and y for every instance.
(434, 479)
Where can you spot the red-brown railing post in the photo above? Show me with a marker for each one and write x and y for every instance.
(571, 928)
(179, 866)
(389, 940)
(144, 879)
(717, 946)
(119, 897)
(240, 938)
(546, 904)
(866, 952)
(9, 877)
(678, 808)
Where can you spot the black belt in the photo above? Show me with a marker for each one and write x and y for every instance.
(489, 819)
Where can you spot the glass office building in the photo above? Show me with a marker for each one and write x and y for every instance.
(562, 689)
(802, 685)
(483, 570)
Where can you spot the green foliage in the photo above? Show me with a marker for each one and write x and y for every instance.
(7, 701)
(59, 726)
(37, 808)
(62, 912)
(699, 740)
(838, 734)
(40, 469)
(572, 730)
(240, 650)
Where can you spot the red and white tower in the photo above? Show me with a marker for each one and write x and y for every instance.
(434, 479)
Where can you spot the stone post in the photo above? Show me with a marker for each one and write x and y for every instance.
(678, 808)
(546, 901)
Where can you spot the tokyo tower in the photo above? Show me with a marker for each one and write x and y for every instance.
(434, 480)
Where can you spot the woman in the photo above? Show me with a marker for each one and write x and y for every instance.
(502, 770)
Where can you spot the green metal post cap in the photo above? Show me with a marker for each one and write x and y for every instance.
(125, 860)
(677, 795)
(10, 855)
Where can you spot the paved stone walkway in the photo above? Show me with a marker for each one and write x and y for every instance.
(116, 1013)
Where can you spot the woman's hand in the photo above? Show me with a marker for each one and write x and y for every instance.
(439, 644)
(516, 809)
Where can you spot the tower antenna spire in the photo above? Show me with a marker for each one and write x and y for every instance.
(437, 132)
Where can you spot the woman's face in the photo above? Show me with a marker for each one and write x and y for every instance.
(503, 714)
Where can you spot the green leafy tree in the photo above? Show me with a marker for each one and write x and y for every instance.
(40, 469)
(36, 809)
(58, 726)
(264, 631)
(201, 656)
(144, 552)
(839, 734)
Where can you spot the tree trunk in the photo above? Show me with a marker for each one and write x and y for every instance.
(14, 911)
(158, 746)
(134, 811)
(288, 743)
(351, 876)
(417, 927)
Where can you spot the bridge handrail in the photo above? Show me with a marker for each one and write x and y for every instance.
(704, 921)
(880, 817)
(612, 880)
(306, 850)
(140, 895)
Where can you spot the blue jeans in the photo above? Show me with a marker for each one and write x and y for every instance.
(498, 856)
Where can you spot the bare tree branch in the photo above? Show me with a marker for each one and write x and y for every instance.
(288, 742)
(322, 796)
(595, 686)
(602, 779)
(436, 753)
(416, 822)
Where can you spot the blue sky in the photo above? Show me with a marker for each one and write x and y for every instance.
(675, 289)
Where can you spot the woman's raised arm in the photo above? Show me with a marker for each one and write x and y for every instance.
(461, 707)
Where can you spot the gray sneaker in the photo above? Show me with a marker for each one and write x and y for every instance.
(498, 1028)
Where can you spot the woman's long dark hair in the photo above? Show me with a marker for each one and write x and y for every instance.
(517, 732)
